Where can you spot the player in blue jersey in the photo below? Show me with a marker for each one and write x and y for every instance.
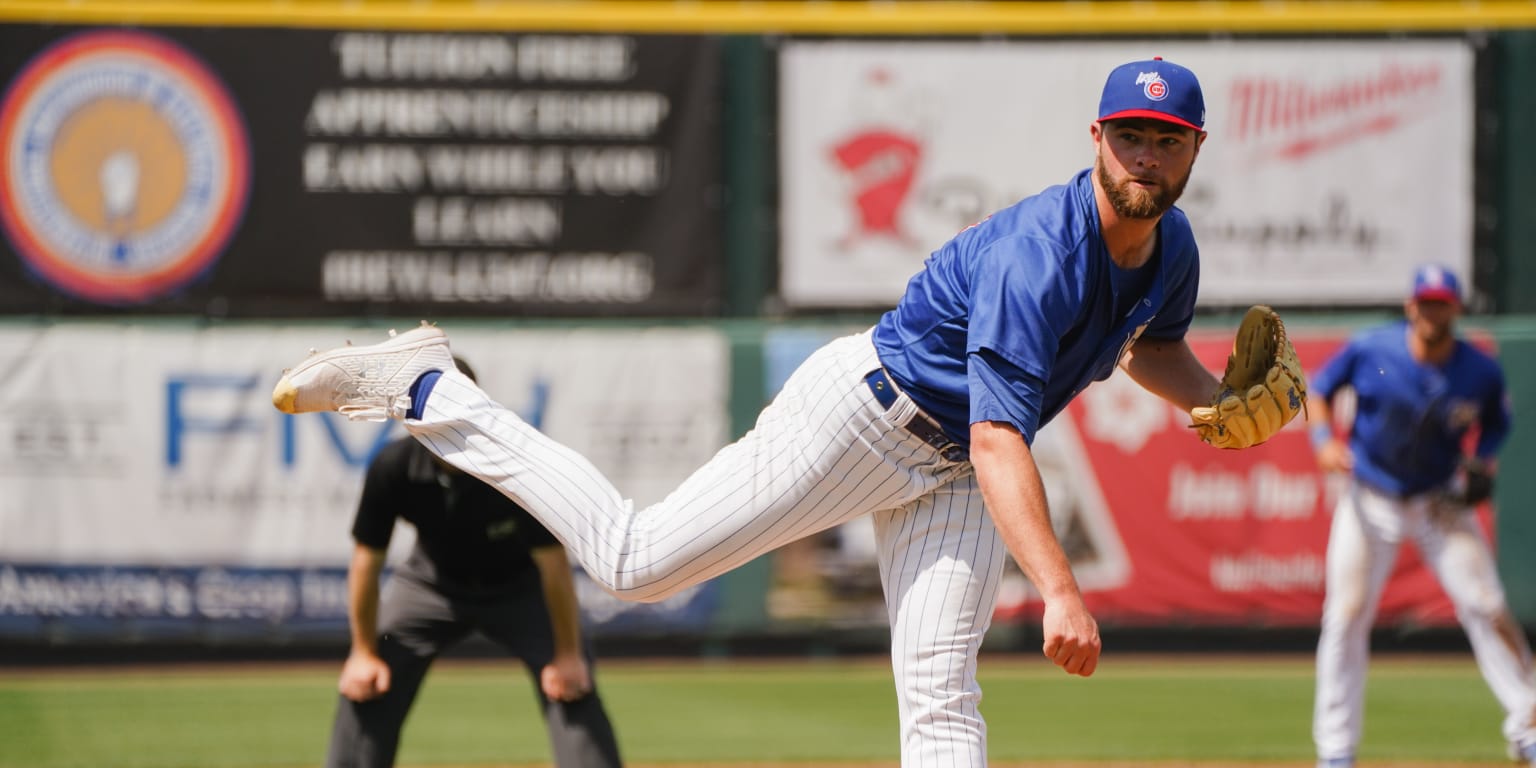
(1418, 390)
(924, 422)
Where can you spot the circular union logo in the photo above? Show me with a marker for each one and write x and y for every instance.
(124, 166)
(1157, 89)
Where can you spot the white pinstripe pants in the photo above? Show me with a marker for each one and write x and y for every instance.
(1367, 531)
(822, 453)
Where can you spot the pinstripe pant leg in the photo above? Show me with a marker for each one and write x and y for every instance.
(1361, 554)
(940, 562)
(822, 453)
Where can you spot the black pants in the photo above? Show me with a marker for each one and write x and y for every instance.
(416, 624)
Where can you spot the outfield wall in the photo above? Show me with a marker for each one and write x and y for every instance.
(151, 494)
(699, 193)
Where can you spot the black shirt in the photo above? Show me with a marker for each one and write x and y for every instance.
(468, 535)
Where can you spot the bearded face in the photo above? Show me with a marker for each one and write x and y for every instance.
(1432, 321)
(1133, 199)
(1143, 166)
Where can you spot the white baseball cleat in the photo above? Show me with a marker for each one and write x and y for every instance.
(369, 383)
(1336, 762)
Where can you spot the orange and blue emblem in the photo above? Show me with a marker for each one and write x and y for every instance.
(124, 166)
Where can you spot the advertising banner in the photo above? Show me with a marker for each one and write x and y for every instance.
(1301, 194)
(357, 173)
(1161, 529)
(141, 468)
(1178, 532)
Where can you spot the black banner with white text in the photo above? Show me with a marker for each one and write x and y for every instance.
(295, 173)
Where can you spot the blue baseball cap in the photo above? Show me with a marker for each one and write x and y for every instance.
(1156, 89)
(1433, 282)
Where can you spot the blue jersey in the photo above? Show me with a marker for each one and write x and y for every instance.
(1015, 316)
(1411, 417)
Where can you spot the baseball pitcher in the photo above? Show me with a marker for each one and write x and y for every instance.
(923, 422)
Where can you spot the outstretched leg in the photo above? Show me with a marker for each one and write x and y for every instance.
(825, 451)
(822, 453)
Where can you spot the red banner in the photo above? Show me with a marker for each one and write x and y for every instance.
(1164, 529)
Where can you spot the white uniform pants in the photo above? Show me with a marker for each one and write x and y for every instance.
(1368, 527)
(822, 453)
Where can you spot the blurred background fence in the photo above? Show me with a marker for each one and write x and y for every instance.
(635, 218)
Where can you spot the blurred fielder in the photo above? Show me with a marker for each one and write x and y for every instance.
(924, 422)
(480, 564)
(1419, 389)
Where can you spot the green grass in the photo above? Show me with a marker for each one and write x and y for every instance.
(1143, 708)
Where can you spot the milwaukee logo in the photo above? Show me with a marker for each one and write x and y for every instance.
(1307, 116)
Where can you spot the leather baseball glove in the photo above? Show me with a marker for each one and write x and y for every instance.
(1262, 389)
(1475, 485)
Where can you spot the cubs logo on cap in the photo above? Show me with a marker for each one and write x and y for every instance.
(1154, 89)
(1433, 282)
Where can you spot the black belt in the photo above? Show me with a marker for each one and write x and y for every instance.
(920, 425)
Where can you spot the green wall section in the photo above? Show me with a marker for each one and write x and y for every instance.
(1515, 71)
(748, 121)
(744, 591)
(1515, 489)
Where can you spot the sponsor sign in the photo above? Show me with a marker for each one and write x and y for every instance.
(37, 600)
(890, 148)
(144, 462)
(113, 603)
(1198, 535)
(385, 172)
